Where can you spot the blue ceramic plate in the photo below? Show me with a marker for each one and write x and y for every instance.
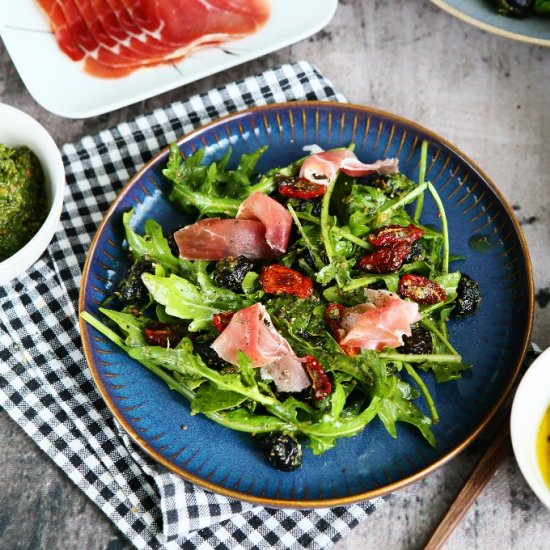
(482, 229)
(483, 14)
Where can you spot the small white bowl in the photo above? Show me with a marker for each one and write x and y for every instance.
(18, 128)
(531, 401)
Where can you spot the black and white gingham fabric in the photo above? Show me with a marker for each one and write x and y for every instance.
(46, 387)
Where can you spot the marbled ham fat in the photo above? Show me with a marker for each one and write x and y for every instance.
(252, 332)
(116, 37)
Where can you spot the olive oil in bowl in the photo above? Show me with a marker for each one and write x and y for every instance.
(543, 447)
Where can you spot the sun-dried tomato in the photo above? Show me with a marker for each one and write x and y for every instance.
(279, 279)
(221, 320)
(386, 259)
(300, 188)
(322, 386)
(333, 315)
(392, 234)
(164, 334)
(421, 289)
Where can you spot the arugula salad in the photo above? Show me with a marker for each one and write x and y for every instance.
(302, 305)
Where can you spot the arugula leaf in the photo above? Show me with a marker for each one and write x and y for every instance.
(395, 400)
(445, 372)
(395, 207)
(243, 420)
(449, 283)
(337, 270)
(542, 6)
(391, 281)
(360, 205)
(349, 298)
(303, 320)
(153, 246)
(184, 300)
(214, 189)
(130, 325)
(209, 398)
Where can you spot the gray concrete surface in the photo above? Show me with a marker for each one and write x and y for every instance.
(489, 96)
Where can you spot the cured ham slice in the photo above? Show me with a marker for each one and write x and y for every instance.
(260, 231)
(215, 239)
(62, 30)
(323, 167)
(275, 217)
(116, 37)
(251, 331)
(379, 323)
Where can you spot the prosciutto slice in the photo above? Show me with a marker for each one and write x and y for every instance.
(275, 217)
(214, 239)
(252, 332)
(260, 231)
(323, 167)
(379, 323)
(61, 29)
(116, 37)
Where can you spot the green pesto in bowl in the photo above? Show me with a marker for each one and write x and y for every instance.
(23, 202)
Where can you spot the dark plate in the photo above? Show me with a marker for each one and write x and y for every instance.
(483, 14)
(373, 463)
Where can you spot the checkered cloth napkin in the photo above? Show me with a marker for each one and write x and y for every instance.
(45, 384)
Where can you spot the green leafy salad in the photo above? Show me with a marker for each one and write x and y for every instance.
(522, 8)
(302, 305)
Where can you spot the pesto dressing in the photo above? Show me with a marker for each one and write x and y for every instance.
(23, 205)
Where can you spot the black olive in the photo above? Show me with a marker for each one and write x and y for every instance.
(173, 246)
(300, 205)
(283, 451)
(468, 297)
(378, 285)
(418, 343)
(132, 291)
(209, 355)
(418, 252)
(230, 272)
(172, 242)
(515, 8)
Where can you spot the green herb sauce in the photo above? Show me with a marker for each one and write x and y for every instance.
(23, 206)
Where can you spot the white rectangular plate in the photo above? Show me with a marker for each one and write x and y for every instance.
(62, 87)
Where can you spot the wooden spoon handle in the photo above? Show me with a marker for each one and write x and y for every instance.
(482, 473)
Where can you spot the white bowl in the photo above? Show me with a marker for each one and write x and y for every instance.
(16, 129)
(531, 401)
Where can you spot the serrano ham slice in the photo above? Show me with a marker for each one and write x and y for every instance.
(61, 29)
(116, 37)
(379, 323)
(252, 332)
(260, 231)
(323, 167)
(214, 239)
(275, 217)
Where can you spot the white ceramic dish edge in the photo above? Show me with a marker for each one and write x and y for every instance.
(530, 403)
(18, 128)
